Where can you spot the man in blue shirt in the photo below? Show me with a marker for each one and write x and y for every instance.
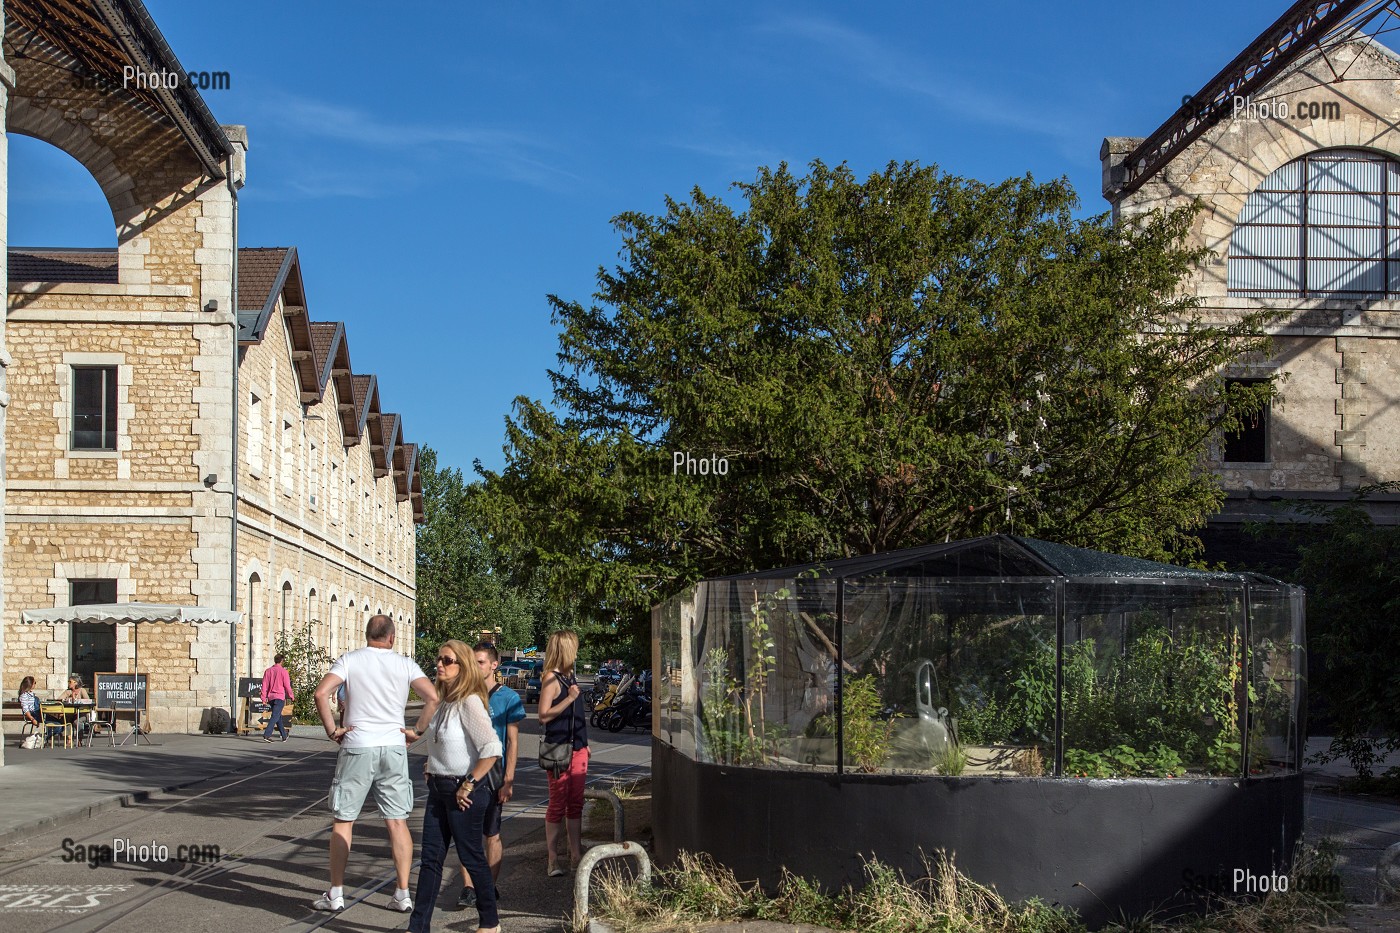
(506, 710)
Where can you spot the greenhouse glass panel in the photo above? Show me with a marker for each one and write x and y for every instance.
(1152, 678)
(1276, 661)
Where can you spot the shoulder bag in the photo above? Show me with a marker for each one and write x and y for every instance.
(555, 756)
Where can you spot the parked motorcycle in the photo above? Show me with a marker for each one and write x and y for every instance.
(631, 708)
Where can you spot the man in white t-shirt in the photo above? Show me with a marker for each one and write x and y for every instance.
(373, 753)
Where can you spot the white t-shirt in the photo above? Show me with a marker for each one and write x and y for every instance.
(376, 689)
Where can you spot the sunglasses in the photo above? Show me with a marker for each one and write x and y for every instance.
(447, 662)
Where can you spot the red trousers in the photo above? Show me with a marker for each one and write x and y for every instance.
(566, 789)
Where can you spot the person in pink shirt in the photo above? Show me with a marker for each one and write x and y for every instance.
(277, 692)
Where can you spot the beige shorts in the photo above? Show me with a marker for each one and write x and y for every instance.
(383, 770)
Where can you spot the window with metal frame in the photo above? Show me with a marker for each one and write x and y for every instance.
(94, 408)
(1325, 225)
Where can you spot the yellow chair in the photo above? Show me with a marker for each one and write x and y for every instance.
(56, 721)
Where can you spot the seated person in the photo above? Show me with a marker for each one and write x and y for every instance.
(76, 690)
(29, 703)
(77, 694)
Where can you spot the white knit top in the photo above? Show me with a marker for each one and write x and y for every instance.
(459, 736)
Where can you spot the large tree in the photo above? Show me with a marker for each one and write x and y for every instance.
(461, 592)
(881, 363)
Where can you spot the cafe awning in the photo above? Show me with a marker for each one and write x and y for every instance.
(117, 613)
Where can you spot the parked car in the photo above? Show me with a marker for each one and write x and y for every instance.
(532, 682)
(523, 677)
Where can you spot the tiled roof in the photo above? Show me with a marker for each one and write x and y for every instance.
(322, 342)
(257, 275)
(96, 266)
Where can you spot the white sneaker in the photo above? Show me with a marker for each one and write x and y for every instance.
(326, 902)
(404, 906)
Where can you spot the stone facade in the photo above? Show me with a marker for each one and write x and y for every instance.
(159, 515)
(325, 519)
(1332, 427)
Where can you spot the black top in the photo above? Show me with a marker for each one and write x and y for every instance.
(574, 719)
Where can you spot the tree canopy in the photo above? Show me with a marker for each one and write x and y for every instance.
(913, 357)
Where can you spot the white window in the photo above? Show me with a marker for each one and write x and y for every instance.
(285, 462)
(255, 433)
(313, 472)
(335, 491)
(353, 498)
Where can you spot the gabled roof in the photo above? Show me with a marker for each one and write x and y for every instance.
(320, 354)
(405, 458)
(332, 351)
(365, 393)
(263, 274)
(390, 436)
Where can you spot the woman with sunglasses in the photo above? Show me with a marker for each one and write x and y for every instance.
(462, 747)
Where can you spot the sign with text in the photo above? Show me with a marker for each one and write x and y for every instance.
(119, 691)
(250, 688)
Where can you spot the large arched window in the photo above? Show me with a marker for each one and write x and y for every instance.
(1325, 225)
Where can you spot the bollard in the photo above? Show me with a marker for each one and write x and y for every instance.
(619, 827)
(585, 872)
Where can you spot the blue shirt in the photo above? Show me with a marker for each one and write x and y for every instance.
(506, 708)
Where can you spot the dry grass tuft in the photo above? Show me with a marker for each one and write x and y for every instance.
(699, 891)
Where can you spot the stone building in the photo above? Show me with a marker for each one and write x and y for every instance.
(146, 372)
(1297, 167)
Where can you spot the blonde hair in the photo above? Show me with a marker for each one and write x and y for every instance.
(561, 652)
(468, 681)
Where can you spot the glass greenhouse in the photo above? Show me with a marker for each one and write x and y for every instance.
(996, 656)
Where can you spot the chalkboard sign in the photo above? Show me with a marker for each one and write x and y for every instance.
(124, 692)
(250, 688)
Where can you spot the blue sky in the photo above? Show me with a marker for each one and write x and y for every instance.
(443, 166)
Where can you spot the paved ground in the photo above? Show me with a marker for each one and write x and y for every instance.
(264, 807)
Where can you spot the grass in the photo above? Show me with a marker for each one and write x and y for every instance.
(697, 891)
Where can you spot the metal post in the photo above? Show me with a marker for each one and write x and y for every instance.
(1060, 677)
(840, 675)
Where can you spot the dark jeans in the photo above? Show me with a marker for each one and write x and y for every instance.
(444, 822)
(275, 718)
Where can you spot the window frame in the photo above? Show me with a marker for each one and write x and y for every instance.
(110, 408)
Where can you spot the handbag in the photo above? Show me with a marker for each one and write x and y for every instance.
(32, 741)
(556, 756)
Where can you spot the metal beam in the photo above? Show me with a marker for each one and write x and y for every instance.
(1307, 25)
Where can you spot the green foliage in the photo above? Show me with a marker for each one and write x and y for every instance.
(866, 735)
(884, 362)
(1351, 568)
(1159, 706)
(1124, 761)
(467, 586)
(306, 663)
(731, 734)
(952, 760)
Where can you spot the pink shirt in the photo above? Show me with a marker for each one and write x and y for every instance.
(276, 684)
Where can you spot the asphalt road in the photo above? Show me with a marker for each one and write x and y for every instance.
(248, 851)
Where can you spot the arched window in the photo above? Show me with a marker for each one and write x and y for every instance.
(252, 608)
(1325, 225)
(287, 622)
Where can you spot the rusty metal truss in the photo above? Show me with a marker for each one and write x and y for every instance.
(99, 37)
(1307, 26)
